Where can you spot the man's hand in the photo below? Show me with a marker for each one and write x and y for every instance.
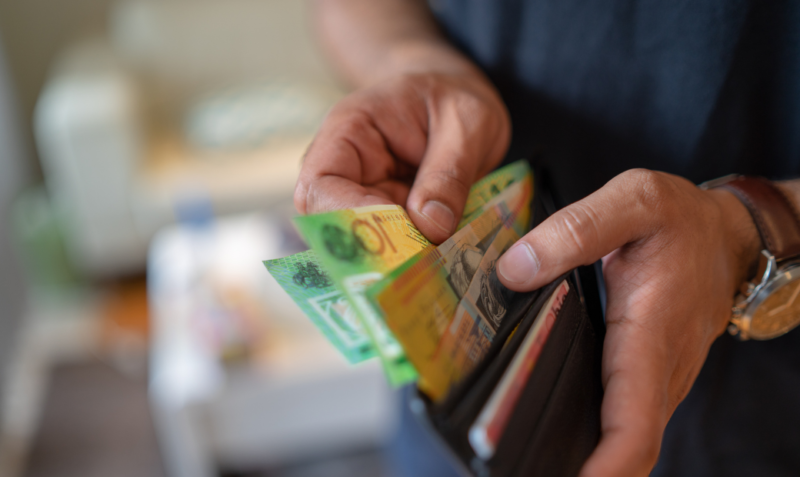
(419, 141)
(423, 125)
(673, 256)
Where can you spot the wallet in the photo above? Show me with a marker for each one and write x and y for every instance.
(531, 406)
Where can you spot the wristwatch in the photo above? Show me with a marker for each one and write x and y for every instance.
(768, 305)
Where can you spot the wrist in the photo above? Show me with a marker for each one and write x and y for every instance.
(743, 243)
(425, 56)
(791, 189)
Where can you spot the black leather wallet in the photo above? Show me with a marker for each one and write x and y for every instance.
(555, 422)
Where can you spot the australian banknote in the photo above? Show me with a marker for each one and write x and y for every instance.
(329, 306)
(486, 189)
(460, 255)
(358, 247)
(419, 299)
(477, 317)
(309, 285)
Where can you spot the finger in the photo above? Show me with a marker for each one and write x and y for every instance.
(580, 234)
(333, 193)
(635, 404)
(459, 151)
(353, 155)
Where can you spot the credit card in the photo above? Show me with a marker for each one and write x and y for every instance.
(488, 428)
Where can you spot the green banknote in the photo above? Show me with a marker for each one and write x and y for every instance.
(511, 208)
(486, 189)
(419, 299)
(362, 245)
(358, 247)
(306, 281)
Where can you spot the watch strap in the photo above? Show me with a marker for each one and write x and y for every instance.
(775, 217)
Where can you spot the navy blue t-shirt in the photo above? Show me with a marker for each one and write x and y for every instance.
(699, 88)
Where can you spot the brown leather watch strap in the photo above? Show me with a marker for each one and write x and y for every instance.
(776, 219)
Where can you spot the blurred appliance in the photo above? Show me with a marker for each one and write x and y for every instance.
(185, 104)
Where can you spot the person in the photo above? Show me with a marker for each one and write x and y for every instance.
(610, 93)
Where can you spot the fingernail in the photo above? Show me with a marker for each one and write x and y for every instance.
(519, 264)
(440, 215)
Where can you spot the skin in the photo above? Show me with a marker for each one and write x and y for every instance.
(422, 126)
(424, 123)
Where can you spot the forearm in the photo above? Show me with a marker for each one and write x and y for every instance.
(370, 40)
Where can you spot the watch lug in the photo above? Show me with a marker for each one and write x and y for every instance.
(739, 326)
(769, 265)
(767, 269)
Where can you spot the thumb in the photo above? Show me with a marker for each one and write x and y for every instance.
(457, 155)
(584, 232)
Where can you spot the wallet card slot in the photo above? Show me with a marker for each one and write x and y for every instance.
(468, 396)
(542, 418)
(569, 429)
(454, 425)
(539, 387)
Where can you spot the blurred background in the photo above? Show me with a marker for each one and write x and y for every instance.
(148, 154)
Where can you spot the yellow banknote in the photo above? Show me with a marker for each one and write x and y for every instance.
(420, 298)
(486, 189)
(477, 318)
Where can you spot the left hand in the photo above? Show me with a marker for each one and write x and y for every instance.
(673, 257)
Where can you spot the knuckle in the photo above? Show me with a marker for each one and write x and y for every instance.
(304, 196)
(354, 124)
(300, 198)
(578, 227)
(311, 194)
(650, 189)
(448, 183)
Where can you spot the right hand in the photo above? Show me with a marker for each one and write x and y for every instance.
(419, 140)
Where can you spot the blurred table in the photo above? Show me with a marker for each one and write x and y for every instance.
(239, 378)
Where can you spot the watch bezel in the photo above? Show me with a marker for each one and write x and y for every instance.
(785, 274)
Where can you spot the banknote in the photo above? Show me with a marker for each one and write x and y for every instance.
(419, 299)
(486, 296)
(516, 199)
(486, 189)
(358, 247)
(445, 338)
(462, 252)
(476, 319)
(309, 285)
(329, 301)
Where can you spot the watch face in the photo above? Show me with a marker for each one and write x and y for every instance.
(779, 311)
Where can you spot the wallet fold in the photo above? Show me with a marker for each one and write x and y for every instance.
(555, 424)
